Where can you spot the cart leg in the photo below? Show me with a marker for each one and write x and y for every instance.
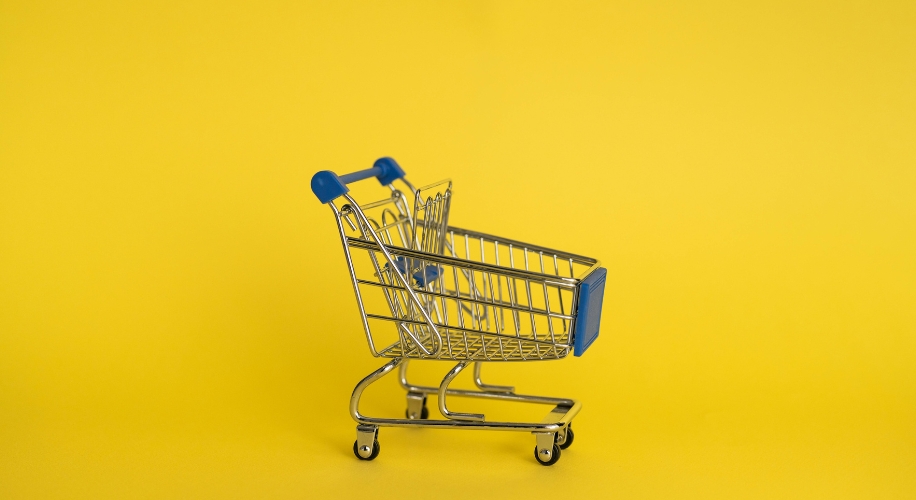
(402, 375)
(487, 387)
(366, 446)
(366, 382)
(416, 400)
(443, 389)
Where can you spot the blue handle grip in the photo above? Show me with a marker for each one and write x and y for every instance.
(328, 186)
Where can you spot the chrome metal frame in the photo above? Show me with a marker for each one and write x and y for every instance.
(455, 294)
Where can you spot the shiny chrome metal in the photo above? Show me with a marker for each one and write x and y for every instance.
(545, 442)
(427, 290)
(443, 390)
(463, 303)
(557, 414)
(365, 439)
(560, 417)
(561, 436)
(487, 387)
(414, 309)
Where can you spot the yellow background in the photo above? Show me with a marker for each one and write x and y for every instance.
(175, 316)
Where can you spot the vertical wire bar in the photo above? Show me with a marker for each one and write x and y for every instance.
(427, 209)
(434, 236)
(556, 270)
(513, 300)
(427, 303)
(472, 294)
(448, 332)
(499, 288)
(429, 221)
(534, 328)
(496, 319)
(473, 291)
(428, 214)
(464, 334)
(416, 228)
(458, 298)
(513, 291)
(483, 259)
(547, 306)
(395, 308)
(433, 223)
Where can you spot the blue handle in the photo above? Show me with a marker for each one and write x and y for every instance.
(328, 186)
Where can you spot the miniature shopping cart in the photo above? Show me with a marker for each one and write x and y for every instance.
(430, 291)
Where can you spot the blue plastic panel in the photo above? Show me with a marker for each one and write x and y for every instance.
(588, 310)
(431, 273)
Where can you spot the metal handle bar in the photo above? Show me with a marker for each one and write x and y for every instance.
(328, 186)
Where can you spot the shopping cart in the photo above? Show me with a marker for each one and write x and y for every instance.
(430, 291)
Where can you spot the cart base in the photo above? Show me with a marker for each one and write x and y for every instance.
(552, 433)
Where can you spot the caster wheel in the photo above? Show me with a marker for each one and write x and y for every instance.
(554, 456)
(424, 413)
(569, 439)
(375, 450)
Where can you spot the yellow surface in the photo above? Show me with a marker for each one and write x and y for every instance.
(175, 317)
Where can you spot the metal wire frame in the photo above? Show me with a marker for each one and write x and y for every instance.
(430, 216)
(487, 299)
(398, 229)
(450, 293)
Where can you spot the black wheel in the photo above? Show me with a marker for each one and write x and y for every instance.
(375, 449)
(569, 439)
(553, 457)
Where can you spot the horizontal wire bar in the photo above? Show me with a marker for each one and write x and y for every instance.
(465, 330)
(466, 298)
(580, 259)
(550, 279)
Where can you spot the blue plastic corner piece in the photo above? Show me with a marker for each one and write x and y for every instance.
(431, 273)
(327, 186)
(391, 171)
(588, 315)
